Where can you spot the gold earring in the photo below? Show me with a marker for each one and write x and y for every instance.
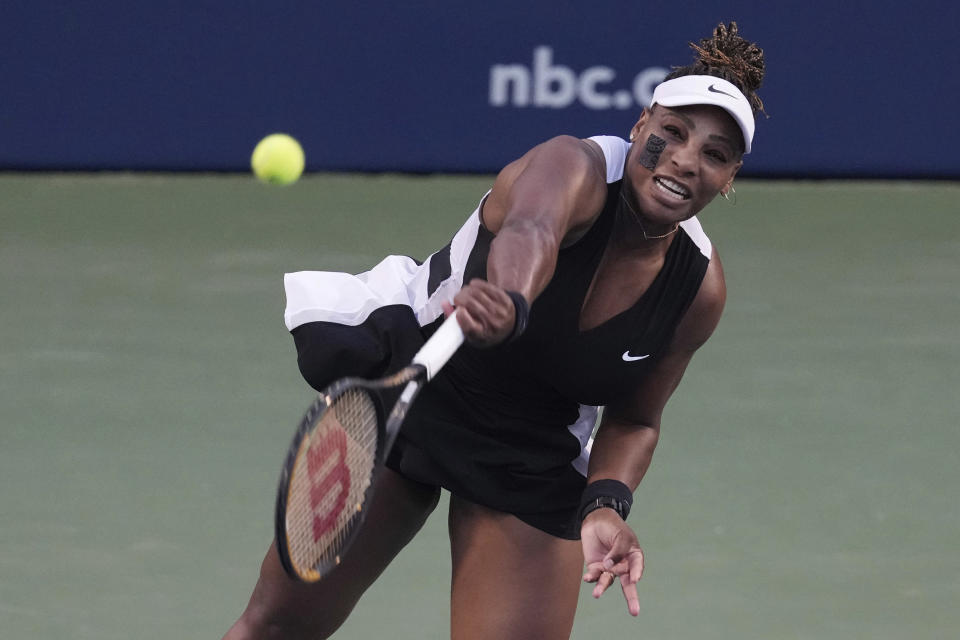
(726, 194)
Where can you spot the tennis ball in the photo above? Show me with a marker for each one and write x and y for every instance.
(277, 159)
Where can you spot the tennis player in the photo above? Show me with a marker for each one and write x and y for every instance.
(582, 281)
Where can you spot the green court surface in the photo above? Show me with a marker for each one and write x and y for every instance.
(805, 486)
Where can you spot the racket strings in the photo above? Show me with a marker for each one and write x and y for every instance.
(330, 478)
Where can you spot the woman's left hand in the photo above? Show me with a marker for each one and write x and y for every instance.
(611, 550)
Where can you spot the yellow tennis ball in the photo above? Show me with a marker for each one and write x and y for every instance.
(277, 159)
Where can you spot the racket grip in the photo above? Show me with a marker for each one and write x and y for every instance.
(441, 346)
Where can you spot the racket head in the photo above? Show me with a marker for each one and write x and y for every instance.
(327, 478)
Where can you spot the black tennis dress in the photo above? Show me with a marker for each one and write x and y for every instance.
(508, 427)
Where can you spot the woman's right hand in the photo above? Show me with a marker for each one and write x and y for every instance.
(485, 313)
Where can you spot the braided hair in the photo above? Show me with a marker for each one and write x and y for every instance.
(729, 56)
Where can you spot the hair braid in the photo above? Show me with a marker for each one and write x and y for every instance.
(729, 56)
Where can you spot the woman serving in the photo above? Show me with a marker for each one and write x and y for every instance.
(583, 280)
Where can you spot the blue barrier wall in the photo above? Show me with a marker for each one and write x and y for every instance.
(853, 89)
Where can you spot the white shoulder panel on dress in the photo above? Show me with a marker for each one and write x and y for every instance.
(615, 153)
(693, 229)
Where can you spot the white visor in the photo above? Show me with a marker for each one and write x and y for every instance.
(687, 90)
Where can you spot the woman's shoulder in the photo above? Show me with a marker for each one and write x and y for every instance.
(563, 175)
(579, 164)
(590, 153)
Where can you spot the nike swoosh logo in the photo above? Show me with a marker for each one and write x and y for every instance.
(715, 90)
(629, 358)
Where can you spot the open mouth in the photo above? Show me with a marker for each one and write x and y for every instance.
(671, 188)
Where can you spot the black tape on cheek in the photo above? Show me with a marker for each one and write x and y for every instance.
(650, 155)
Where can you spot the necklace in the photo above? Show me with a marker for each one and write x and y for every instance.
(636, 217)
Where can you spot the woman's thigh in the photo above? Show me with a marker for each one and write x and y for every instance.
(510, 580)
(283, 608)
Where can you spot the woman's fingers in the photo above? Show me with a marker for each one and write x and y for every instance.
(629, 569)
(629, 588)
(603, 583)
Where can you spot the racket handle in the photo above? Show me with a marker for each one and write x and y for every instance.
(441, 346)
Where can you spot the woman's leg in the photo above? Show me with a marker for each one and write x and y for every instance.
(283, 608)
(510, 580)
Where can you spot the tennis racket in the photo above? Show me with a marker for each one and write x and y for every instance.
(337, 452)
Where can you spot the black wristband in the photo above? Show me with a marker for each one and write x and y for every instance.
(521, 315)
(606, 493)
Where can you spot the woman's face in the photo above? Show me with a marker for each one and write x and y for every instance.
(702, 154)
